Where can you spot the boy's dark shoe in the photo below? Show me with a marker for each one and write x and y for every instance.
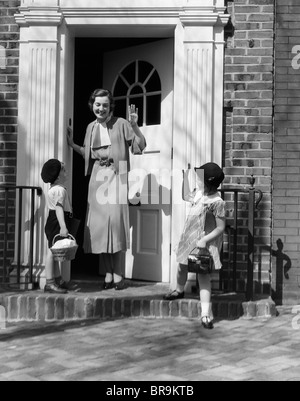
(67, 286)
(62, 284)
(172, 296)
(54, 289)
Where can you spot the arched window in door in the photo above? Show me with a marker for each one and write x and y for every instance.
(139, 84)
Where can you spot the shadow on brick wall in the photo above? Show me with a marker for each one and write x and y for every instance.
(229, 30)
(283, 265)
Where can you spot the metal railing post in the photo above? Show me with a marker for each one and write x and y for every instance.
(20, 210)
(250, 270)
(235, 236)
(4, 272)
(31, 236)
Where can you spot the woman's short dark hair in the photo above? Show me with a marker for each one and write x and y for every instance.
(102, 93)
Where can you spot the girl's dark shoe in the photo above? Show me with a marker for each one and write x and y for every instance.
(172, 296)
(108, 286)
(120, 286)
(207, 323)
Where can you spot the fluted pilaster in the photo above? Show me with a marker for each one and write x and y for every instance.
(38, 125)
(203, 77)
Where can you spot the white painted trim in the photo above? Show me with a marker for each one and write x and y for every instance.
(49, 16)
(38, 41)
(199, 15)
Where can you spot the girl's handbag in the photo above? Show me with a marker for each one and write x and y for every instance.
(200, 261)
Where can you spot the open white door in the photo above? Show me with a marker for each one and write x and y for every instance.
(143, 75)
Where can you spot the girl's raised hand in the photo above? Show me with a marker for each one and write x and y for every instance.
(186, 172)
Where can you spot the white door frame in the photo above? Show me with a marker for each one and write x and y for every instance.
(47, 32)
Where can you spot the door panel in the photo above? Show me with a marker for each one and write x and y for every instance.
(147, 67)
(148, 224)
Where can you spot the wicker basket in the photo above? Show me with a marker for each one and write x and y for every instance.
(64, 254)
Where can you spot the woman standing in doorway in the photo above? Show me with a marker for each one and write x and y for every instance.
(106, 152)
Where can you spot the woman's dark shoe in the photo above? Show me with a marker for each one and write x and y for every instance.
(108, 286)
(54, 289)
(120, 285)
(172, 296)
(207, 323)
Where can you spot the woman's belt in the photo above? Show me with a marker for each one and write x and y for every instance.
(68, 214)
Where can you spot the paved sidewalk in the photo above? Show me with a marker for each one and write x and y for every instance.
(153, 350)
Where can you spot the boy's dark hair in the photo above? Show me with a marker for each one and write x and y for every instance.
(51, 171)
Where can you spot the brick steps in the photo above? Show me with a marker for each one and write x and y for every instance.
(40, 307)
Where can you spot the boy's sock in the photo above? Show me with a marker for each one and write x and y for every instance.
(180, 288)
(50, 281)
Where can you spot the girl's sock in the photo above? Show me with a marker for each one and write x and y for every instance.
(205, 307)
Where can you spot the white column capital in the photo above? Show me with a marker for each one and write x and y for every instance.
(39, 16)
(203, 16)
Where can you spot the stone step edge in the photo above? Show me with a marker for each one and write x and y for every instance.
(71, 308)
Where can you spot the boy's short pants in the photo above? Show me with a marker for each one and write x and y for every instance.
(52, 227)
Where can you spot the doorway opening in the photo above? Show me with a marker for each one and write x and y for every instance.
(89, 55)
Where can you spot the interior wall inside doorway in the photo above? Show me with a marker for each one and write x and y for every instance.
(88, 77)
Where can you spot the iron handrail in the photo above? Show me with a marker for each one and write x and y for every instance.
(253, 205)
(20, 188)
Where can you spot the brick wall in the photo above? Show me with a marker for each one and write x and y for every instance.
(286, 260)
(9, 60)
(249, 85)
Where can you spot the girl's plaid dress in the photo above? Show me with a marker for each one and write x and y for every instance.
(200, 222)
